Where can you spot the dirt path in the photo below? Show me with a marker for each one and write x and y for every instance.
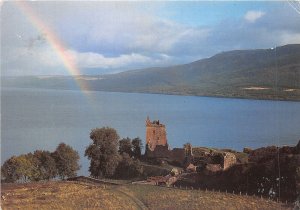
(137, 201)
(115, 186)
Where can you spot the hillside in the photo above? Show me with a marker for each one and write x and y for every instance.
(71, 195)
(259, 74)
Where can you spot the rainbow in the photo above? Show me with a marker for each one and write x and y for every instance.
(54, 41)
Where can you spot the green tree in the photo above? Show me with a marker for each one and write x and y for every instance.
(29, 167)
(125, 146)
(137, 146)
(21, 168)
(103, 152)
(9, 170)
(24, 168)
(128, 167)
(66, 159)
(45, 164)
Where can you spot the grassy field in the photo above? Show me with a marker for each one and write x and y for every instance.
(64, 195)
(71, 195)
(169, 198)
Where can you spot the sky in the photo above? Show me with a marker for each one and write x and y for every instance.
(93, 37)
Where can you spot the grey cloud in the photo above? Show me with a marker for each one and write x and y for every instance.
(119, 33)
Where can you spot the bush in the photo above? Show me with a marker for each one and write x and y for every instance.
(128, 168)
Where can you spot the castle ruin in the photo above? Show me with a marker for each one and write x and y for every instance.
(155, 134)
(157, 147)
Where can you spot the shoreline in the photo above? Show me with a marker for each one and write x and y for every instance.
(244, 97)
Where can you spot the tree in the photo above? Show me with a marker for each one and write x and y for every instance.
(125, 146)
(29, 167)
(9, 170)
(21, 168)
(45, 164)
(137, 146)
(128, 167)
(66, 160)
(103, 152)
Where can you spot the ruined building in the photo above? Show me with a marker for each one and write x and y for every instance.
(229, 160)
(214, 160)
(157, 148)
(157, 145)
(155, 134)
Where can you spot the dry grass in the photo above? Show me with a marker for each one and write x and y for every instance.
(64, 195)
(169, 198)
(69, 195)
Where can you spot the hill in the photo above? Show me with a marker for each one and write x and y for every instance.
(244, 73)
(259, 74)
(79, 195)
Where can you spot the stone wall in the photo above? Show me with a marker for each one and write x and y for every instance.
(174, 155)
(159, 151)
(178, 155)
(229, 160)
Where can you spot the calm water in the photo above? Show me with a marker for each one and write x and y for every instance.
(40, 119)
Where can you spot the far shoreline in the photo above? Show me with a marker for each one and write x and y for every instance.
(166, 93)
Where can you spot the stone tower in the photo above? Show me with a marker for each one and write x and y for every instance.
(155, 134)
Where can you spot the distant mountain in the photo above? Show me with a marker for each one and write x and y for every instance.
(260, 74)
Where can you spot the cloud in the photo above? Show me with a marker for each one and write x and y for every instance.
(43, 60)
(115, 28)
(95, 60)
(290, 38)
(97, 35)
(253, 16)
(37, 60)
(118, 36)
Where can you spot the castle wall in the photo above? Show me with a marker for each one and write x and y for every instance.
(160, 151)
(178, 154)
(229, 160)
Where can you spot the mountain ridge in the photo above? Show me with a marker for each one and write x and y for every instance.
(259, 74)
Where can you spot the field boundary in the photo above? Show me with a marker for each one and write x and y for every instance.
(92, 180)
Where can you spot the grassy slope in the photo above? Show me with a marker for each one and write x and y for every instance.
(68, 195)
